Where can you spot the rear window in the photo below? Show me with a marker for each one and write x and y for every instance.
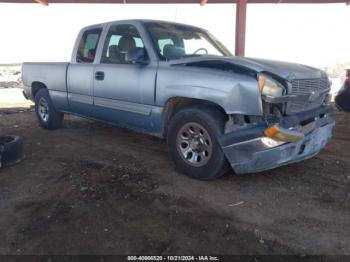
(88, 45)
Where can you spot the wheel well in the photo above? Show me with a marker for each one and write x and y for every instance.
(36, 86)
(173, 105)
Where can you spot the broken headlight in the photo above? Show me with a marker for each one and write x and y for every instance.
(269, 86)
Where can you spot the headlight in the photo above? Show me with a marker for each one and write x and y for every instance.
(270, 87)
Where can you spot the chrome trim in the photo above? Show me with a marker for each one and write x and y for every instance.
(123, 106)
(314, 88)
(292, 97)
(80, 98)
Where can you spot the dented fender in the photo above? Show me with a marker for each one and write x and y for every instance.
(235, 93)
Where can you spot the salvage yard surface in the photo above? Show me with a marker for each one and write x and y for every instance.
(91, 188)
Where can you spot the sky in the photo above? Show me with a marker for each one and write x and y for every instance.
(313, 34)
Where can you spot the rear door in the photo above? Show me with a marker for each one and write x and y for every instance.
(80, 73)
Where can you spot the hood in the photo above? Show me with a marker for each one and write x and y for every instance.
(284, 70)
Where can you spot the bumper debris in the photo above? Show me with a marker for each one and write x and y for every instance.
(263, 148)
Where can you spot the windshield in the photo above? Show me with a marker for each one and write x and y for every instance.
(174, 41)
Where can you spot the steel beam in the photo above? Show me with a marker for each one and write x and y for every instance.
(181, 1)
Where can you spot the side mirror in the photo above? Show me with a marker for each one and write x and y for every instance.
(136, 56)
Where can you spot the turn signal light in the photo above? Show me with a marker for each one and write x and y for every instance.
(283, 134)
(271, 132)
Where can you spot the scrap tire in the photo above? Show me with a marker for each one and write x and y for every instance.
(11, 150)
(48, 116)
(209, 124)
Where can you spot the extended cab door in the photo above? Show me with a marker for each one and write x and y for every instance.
(80, 73)
(123, 91)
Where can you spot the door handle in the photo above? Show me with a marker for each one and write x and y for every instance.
(99, 75)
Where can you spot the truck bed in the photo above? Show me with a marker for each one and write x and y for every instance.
(54, 75)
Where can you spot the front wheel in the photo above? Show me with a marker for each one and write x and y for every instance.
(48, 116)
(192, 139)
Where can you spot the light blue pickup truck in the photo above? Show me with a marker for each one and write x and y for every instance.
(178, 82)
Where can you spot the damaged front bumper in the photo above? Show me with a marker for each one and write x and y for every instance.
(248, 150)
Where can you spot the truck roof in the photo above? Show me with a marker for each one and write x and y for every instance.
(143, 21)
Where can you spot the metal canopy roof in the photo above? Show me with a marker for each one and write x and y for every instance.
(181, 1)
(241, 10)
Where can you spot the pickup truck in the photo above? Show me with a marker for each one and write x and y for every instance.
(179, 82)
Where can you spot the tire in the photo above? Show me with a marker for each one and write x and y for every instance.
(11, 150)
(192, 135)
(48, 116)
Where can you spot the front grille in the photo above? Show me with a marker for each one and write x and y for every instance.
(306, 87)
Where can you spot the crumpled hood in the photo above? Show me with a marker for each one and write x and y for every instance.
(284, 70)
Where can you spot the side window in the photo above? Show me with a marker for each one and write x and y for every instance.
(120, 40)
(88, 45)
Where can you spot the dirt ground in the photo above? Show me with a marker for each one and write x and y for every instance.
(91, 188)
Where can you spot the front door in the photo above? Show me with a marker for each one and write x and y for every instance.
(123, 92)
(80, 73)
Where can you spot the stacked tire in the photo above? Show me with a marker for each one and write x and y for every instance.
(11, 150)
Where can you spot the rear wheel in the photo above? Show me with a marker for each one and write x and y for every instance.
(192, 139)
(48, 116)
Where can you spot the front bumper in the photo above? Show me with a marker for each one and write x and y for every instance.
(250, 151)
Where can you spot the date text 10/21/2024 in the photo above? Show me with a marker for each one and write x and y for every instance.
(173, 258)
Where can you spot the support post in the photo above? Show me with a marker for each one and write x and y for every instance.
(43, 2)
(241, 16)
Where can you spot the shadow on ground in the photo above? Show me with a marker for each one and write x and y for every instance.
(90, 188)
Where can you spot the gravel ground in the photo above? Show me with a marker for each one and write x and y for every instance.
(91, 188)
